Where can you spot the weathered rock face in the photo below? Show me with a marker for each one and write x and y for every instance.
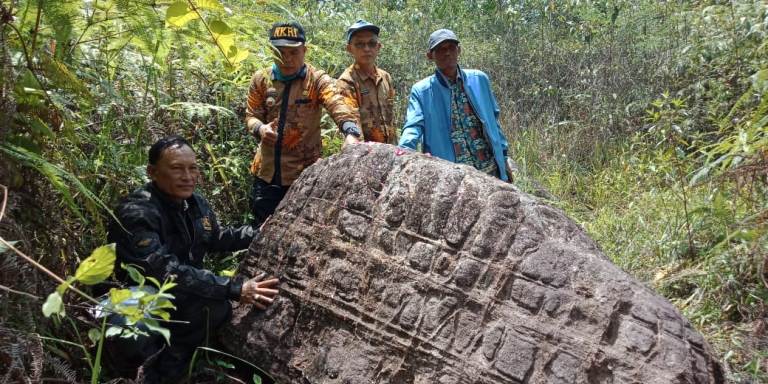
(401, 268)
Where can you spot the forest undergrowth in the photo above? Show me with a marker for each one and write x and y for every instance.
(645, 121)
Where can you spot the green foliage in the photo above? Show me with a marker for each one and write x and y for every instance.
(97, 267)
(646, 120)
(137, 305)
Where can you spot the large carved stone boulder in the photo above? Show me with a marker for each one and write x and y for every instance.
(400, 268)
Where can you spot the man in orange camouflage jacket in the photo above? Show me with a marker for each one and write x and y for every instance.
(283, 112)
(369, 86)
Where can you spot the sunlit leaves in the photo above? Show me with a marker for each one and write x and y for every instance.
(222, 34)
(236, 55)
(97, 267)
(117, 296)
(208, 4)
(179, 14)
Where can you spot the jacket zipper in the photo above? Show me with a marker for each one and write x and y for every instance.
(277, 177)
(190, 236)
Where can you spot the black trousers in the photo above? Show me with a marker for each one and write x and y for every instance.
(201, 317)
(265, 197)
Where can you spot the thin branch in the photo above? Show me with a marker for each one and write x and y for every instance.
(37, 25)
(11, 290)
(47, 271)
(108, 36)
(5, 201)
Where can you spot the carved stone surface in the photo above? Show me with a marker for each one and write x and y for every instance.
(402, 268)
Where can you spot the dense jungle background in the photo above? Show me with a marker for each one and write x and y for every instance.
(646, 122)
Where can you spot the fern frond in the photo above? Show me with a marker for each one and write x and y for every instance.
(61, 77)
(23, 354)
(191, 109)
(59, 178)
(63, 17)
(61, 368)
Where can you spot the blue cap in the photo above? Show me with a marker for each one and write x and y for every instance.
(360, 25)
(441, 35)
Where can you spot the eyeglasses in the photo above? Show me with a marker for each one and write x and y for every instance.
(371, 44)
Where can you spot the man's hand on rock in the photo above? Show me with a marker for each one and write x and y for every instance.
(350, 139)
(259, 292)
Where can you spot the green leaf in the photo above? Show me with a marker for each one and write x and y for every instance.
(117, 296)
(36, 126)
(53, 304)
(720, 205)
(94, 334)
(154, 281)
(4, 248)
(760, 80)
(224, 364)
(155, 327)
(256, 379)
(209, 4)
(62, 288)
(97, 267)
(161, 313)
(745, 235)
(227, 273)
(134, 274)
(178, 14)
(236, 55)
(113, 331)
(132, 314)
(223, 35)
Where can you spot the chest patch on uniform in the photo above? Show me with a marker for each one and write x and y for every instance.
(364, 91)
(143, 243)
(206, 223)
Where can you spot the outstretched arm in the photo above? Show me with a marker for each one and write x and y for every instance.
(413, 129)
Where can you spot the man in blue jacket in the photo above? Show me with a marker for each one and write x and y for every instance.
(454, 114)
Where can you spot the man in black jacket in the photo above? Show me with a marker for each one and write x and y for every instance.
(166, 229)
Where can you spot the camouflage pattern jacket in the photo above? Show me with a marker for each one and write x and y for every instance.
(375, 99)
(167, 239)
(294, 108)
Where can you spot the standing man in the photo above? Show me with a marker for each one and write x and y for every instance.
(283, 112)
(369, 86)
(167, 229)
(454, 114)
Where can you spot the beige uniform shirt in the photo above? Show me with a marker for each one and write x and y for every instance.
(375, 99)
(299, 138)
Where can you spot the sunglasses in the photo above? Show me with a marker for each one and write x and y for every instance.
(371, 44)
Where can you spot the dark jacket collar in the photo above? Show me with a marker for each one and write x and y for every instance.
(167, 201)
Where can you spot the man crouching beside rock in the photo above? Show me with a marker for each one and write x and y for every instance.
(166, 229)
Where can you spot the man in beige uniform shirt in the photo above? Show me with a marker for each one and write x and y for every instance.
(283, 111)
(369, 86)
